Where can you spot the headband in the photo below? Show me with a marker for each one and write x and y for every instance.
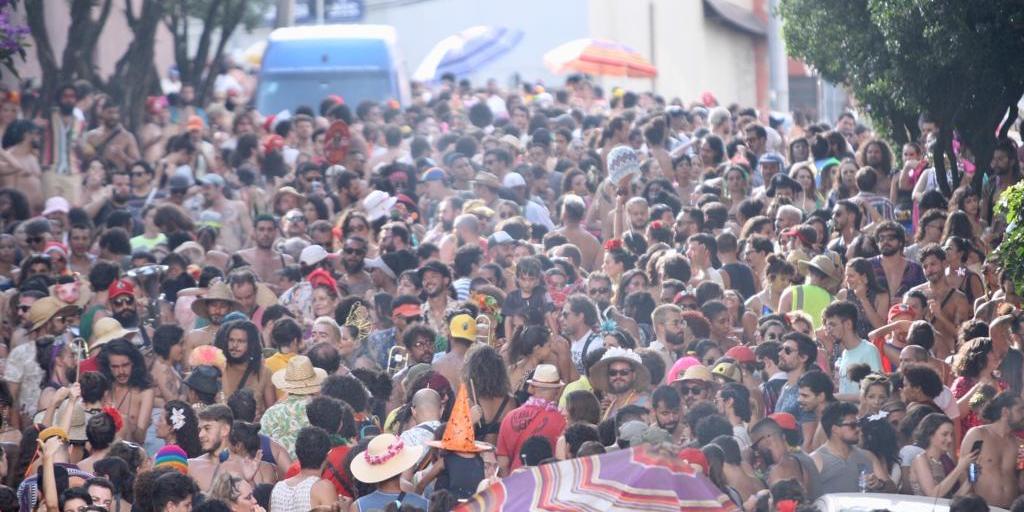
(406, 310)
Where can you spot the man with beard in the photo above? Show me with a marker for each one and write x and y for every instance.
(350, 189)
(131, 389)
(668, 409)
(815, 393)
(623, 379)
(21, 325)
(354, 277)
(240, 342)
(394, 237)
(265, 261)
(573, 212)
(846, 219)
(799, 354)
(669, 332)
(895, 273)
(1006, 169)
(213, 306)
(111, 142)
(48, 317)
(236, 228)
(997, 460)
(840, 462)
(599, 289)
(947, 306)
(214, 427)
(112, 198)
(123, 307)
(437, 278)
(779, 461)
(62, 134)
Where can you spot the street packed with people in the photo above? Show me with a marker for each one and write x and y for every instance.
(420, 307)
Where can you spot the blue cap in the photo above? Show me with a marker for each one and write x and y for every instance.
(435, 174)
(771, 158)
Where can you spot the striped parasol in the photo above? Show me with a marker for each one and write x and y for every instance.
(599, 57)
(641, 478)
(467, 51)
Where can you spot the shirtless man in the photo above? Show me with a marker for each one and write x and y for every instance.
(895, 273)
(236, 228)
(19, 167)
(131, 391)
(997, 480)
(573, 212)
(947, 306)
(264, 259)
(769, 445)
(111, 141)
(216, 303)
(214, 427)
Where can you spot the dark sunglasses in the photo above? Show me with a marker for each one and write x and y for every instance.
(620, 373)
(354, 250)
(125, 301)
(687, 390)
(600, 291)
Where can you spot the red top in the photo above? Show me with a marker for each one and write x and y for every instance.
(534, 418)
(960, 388)
(335, 461)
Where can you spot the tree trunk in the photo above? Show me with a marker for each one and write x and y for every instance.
(135, 70)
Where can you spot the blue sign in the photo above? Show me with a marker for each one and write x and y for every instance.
(335, 11)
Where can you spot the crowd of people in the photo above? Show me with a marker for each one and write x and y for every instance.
(223, 310)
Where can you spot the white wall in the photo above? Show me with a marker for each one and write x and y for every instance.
(545, 23)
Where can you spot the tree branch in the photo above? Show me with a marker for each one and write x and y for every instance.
(203, 49)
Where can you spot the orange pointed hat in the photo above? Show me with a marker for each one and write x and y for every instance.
(459, 435)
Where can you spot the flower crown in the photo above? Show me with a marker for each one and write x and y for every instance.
(393, 449)
(612, 244)
(487, 304)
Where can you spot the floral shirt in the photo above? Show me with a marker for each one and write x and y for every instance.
(283, 420)
(299, 300)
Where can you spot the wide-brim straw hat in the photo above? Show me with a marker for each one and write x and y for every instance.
(299, 377)
(44, 309)
(825, 265)
(288, 191)
(599, 372)
(546, 376)
(386, 456)
(697, 373)
(218, 291)
(459, 434)
(108, 329)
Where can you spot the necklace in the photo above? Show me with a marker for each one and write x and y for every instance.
(127, 396)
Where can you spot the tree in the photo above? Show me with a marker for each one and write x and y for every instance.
(955, 60)
(12, 36)
(220, 18)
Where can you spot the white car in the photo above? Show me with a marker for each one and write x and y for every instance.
(867, 502)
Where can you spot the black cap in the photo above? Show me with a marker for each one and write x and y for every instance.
(435, 266)
(204, 379)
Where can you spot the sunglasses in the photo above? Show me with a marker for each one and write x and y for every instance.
(126, 301)
(687, 390)
(851, 424)
(354, 250)
(134, 174)
(600, 291)
(620, 373)
(295, 218)
(35, 239)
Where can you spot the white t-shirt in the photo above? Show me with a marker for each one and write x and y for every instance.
(863, 353)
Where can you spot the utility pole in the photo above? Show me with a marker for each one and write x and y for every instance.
(285, 13)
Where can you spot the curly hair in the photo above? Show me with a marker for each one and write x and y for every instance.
(879, 437)
(973, 357)
(187, 437)
(121, 347)
(485, 368)
(927, 428)
(254, 352)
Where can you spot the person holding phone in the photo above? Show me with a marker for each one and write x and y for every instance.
(996, 449)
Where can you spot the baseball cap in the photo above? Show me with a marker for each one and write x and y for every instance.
(499, 238)
(120, 287)
(56, 204)
(212, 179)
(513, 179)
(313, 254)
(435, 174)
(463, 327)
(784, 419)
(742, 354)
(179, 182)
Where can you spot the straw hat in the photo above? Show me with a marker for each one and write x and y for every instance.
(459, 435)
(106, 330)
(546, 376)
(487, 179)
(44, 309)
(288, 191)
(385, 456)
(825, 265)
(697, 373)
(218, 291)
(599, 372)
(299, 377)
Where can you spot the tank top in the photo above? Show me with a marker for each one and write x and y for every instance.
(285, 498)
(808, 468)
(461, 475)
(810, 299)
(842, 475)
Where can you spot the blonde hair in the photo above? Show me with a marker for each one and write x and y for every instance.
(330, 323)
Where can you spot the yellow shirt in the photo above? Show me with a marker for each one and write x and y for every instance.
(277, 362)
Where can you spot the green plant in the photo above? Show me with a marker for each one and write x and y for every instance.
(1010, 253)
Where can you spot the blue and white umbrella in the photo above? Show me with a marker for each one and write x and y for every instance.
(467, 51)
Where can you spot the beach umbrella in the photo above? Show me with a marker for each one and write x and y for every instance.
(467, 51)
(599, 57)
(641, 478)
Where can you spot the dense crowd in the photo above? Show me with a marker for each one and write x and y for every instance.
(374, 307)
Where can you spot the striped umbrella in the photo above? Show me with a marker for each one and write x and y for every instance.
(467, 51)
(641, 479)
(599, 57)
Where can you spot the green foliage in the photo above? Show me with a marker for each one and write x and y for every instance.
(1010, 253)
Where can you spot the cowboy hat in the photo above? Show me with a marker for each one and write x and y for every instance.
(44, 309)
(546, 376)
(218, 291)
(108, 329)
(386, 456)
(299, 377)
(459, 434)
(825, 265)
(599, 372)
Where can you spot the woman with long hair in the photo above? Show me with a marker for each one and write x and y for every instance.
(485, 373)
(235, 492)
(958, 274)
(244, 454)
(975, 365)
(179, 425)
(958, 223)
(58, 363)
(844, 186)
(736, 188)
(632, 280)
(712, 154)
(863, 290)
(528, 347)
(810, 199)
(878, 436)
(968, 200)
(933, 472)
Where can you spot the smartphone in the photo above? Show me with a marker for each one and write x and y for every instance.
(976, 447)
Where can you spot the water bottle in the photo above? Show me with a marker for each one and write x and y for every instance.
(972, 472)
(863, 481)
